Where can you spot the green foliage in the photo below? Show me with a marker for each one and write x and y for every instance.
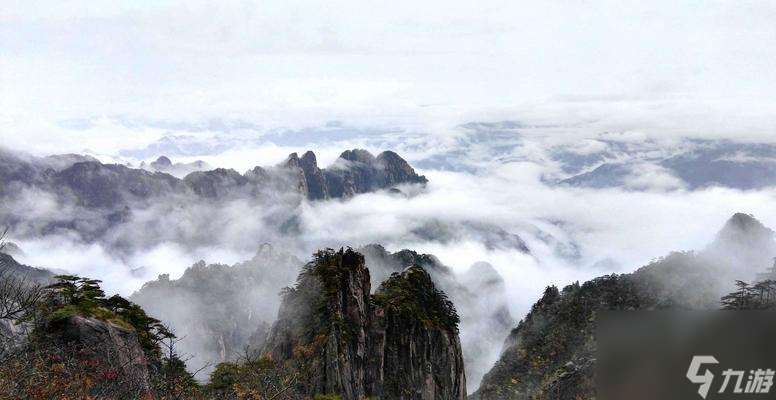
(413, 295)
(327, 397)
(75, 295)
(558, 329)
(224, 376)
(757, 296)
(172, 380)
(259, 377)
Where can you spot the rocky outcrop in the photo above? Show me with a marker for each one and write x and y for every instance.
(114, 348)
(551, 352)
(355, 171)
(358, 171)
(479, 296)
(400, 343)
(215, 184)
(316, 184)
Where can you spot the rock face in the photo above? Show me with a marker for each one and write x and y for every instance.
(316, 184)
(112, 346)
(551, 352)
(479, 296)
(400, 343)
(355, 171)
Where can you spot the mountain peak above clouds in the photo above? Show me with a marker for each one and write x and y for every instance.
(162, 162)
(747, 225)
(745, 244)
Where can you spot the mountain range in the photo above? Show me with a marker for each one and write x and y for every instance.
(405, 338)
(78, 195)
(691, 164)
(551, 353)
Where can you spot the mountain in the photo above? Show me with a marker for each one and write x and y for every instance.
(694, 164)
(219, 310)
(178, 169)
(9, 266)
(551, 352)
(399, 343)
(355, 171)
(225, 310)
(15, 276)
(82, 197)
(98, 185)
(78, 343)
(479, 295)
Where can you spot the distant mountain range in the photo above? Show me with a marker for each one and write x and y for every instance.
(75, 194)
(692, 164)
(97, 185)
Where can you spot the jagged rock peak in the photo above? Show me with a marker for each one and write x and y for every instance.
(292, 160)
(162, 162)
(358, 342)
(309, 159)
(358, 155)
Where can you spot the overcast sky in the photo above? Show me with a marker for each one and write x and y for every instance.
(113, 78)
(282, 62)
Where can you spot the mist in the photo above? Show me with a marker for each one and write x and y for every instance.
(503, 106)
(485, 215)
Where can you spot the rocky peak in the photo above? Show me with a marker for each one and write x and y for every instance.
(744, 245)
(744, 228)
(309, 160)
(358, 155)
(401, 343)
(161, 163)
(316, 184)
(397, 169)
(292, 160)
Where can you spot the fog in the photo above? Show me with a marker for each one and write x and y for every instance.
(561, 86)
(572, 234)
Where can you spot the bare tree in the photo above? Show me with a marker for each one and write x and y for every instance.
(18, 295)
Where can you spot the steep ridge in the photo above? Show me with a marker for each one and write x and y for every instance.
(479, 295)
(400, 343)
(551, 352)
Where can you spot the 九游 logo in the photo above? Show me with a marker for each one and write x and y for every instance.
(754, 381)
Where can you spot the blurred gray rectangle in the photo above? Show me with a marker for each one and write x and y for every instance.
(704, 355)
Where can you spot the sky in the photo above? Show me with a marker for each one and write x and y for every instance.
(244, 83)
(114, 79)
(676, 67)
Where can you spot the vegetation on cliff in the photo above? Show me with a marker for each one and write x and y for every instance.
(413, 295)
